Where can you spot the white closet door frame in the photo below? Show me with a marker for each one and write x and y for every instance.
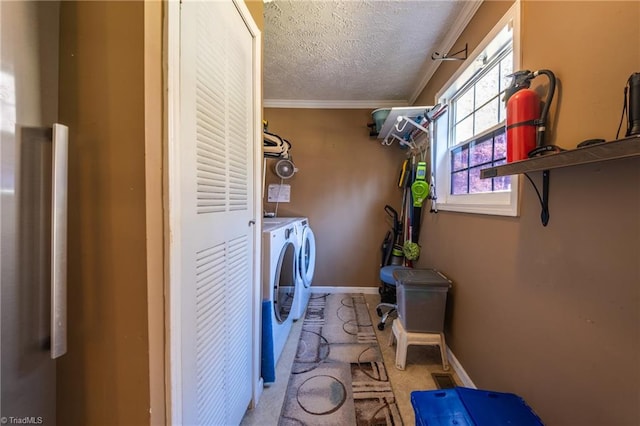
(173, 323)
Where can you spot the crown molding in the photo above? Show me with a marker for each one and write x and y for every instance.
(332, 104)
(469, 10)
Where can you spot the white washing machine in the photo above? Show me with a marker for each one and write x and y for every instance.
(306, 265)
(279, 247)
(305, 260)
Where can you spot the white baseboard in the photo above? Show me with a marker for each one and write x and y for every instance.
(457, 367)
(342, 290)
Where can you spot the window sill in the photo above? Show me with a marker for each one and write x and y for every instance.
(479, 209)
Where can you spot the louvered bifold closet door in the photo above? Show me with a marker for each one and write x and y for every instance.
(216, 171)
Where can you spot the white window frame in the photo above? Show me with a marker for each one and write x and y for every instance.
(503, 203)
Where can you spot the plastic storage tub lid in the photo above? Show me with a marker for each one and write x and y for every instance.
(474, 407)
(421, 277)
(498, 408)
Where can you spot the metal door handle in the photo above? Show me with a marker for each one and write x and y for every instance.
(252, 222)
(59, 173)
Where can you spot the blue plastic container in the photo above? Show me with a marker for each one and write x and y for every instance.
(471, 407)
(379, 116)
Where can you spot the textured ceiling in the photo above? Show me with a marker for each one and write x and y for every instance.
(356, 50)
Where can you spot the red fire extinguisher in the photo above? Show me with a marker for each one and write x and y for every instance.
(526, 125)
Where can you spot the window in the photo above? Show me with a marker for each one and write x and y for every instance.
(471, 134)
(469, 158)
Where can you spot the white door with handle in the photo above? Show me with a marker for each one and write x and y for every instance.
(213, 159)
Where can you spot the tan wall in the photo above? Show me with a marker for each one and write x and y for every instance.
(553, 313)
(256, 8)
(483, 20)
(592, 58)
(104, 377)
(345, 178)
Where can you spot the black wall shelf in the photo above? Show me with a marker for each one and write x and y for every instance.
(620, 148)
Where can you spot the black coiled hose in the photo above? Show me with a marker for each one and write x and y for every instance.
(542, 126)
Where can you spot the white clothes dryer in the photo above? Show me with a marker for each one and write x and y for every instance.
(306, 265)
(277, 221)
(279, 247)
(305, 257)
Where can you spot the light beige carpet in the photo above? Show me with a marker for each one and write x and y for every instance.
(421, 362)
(338, 375)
